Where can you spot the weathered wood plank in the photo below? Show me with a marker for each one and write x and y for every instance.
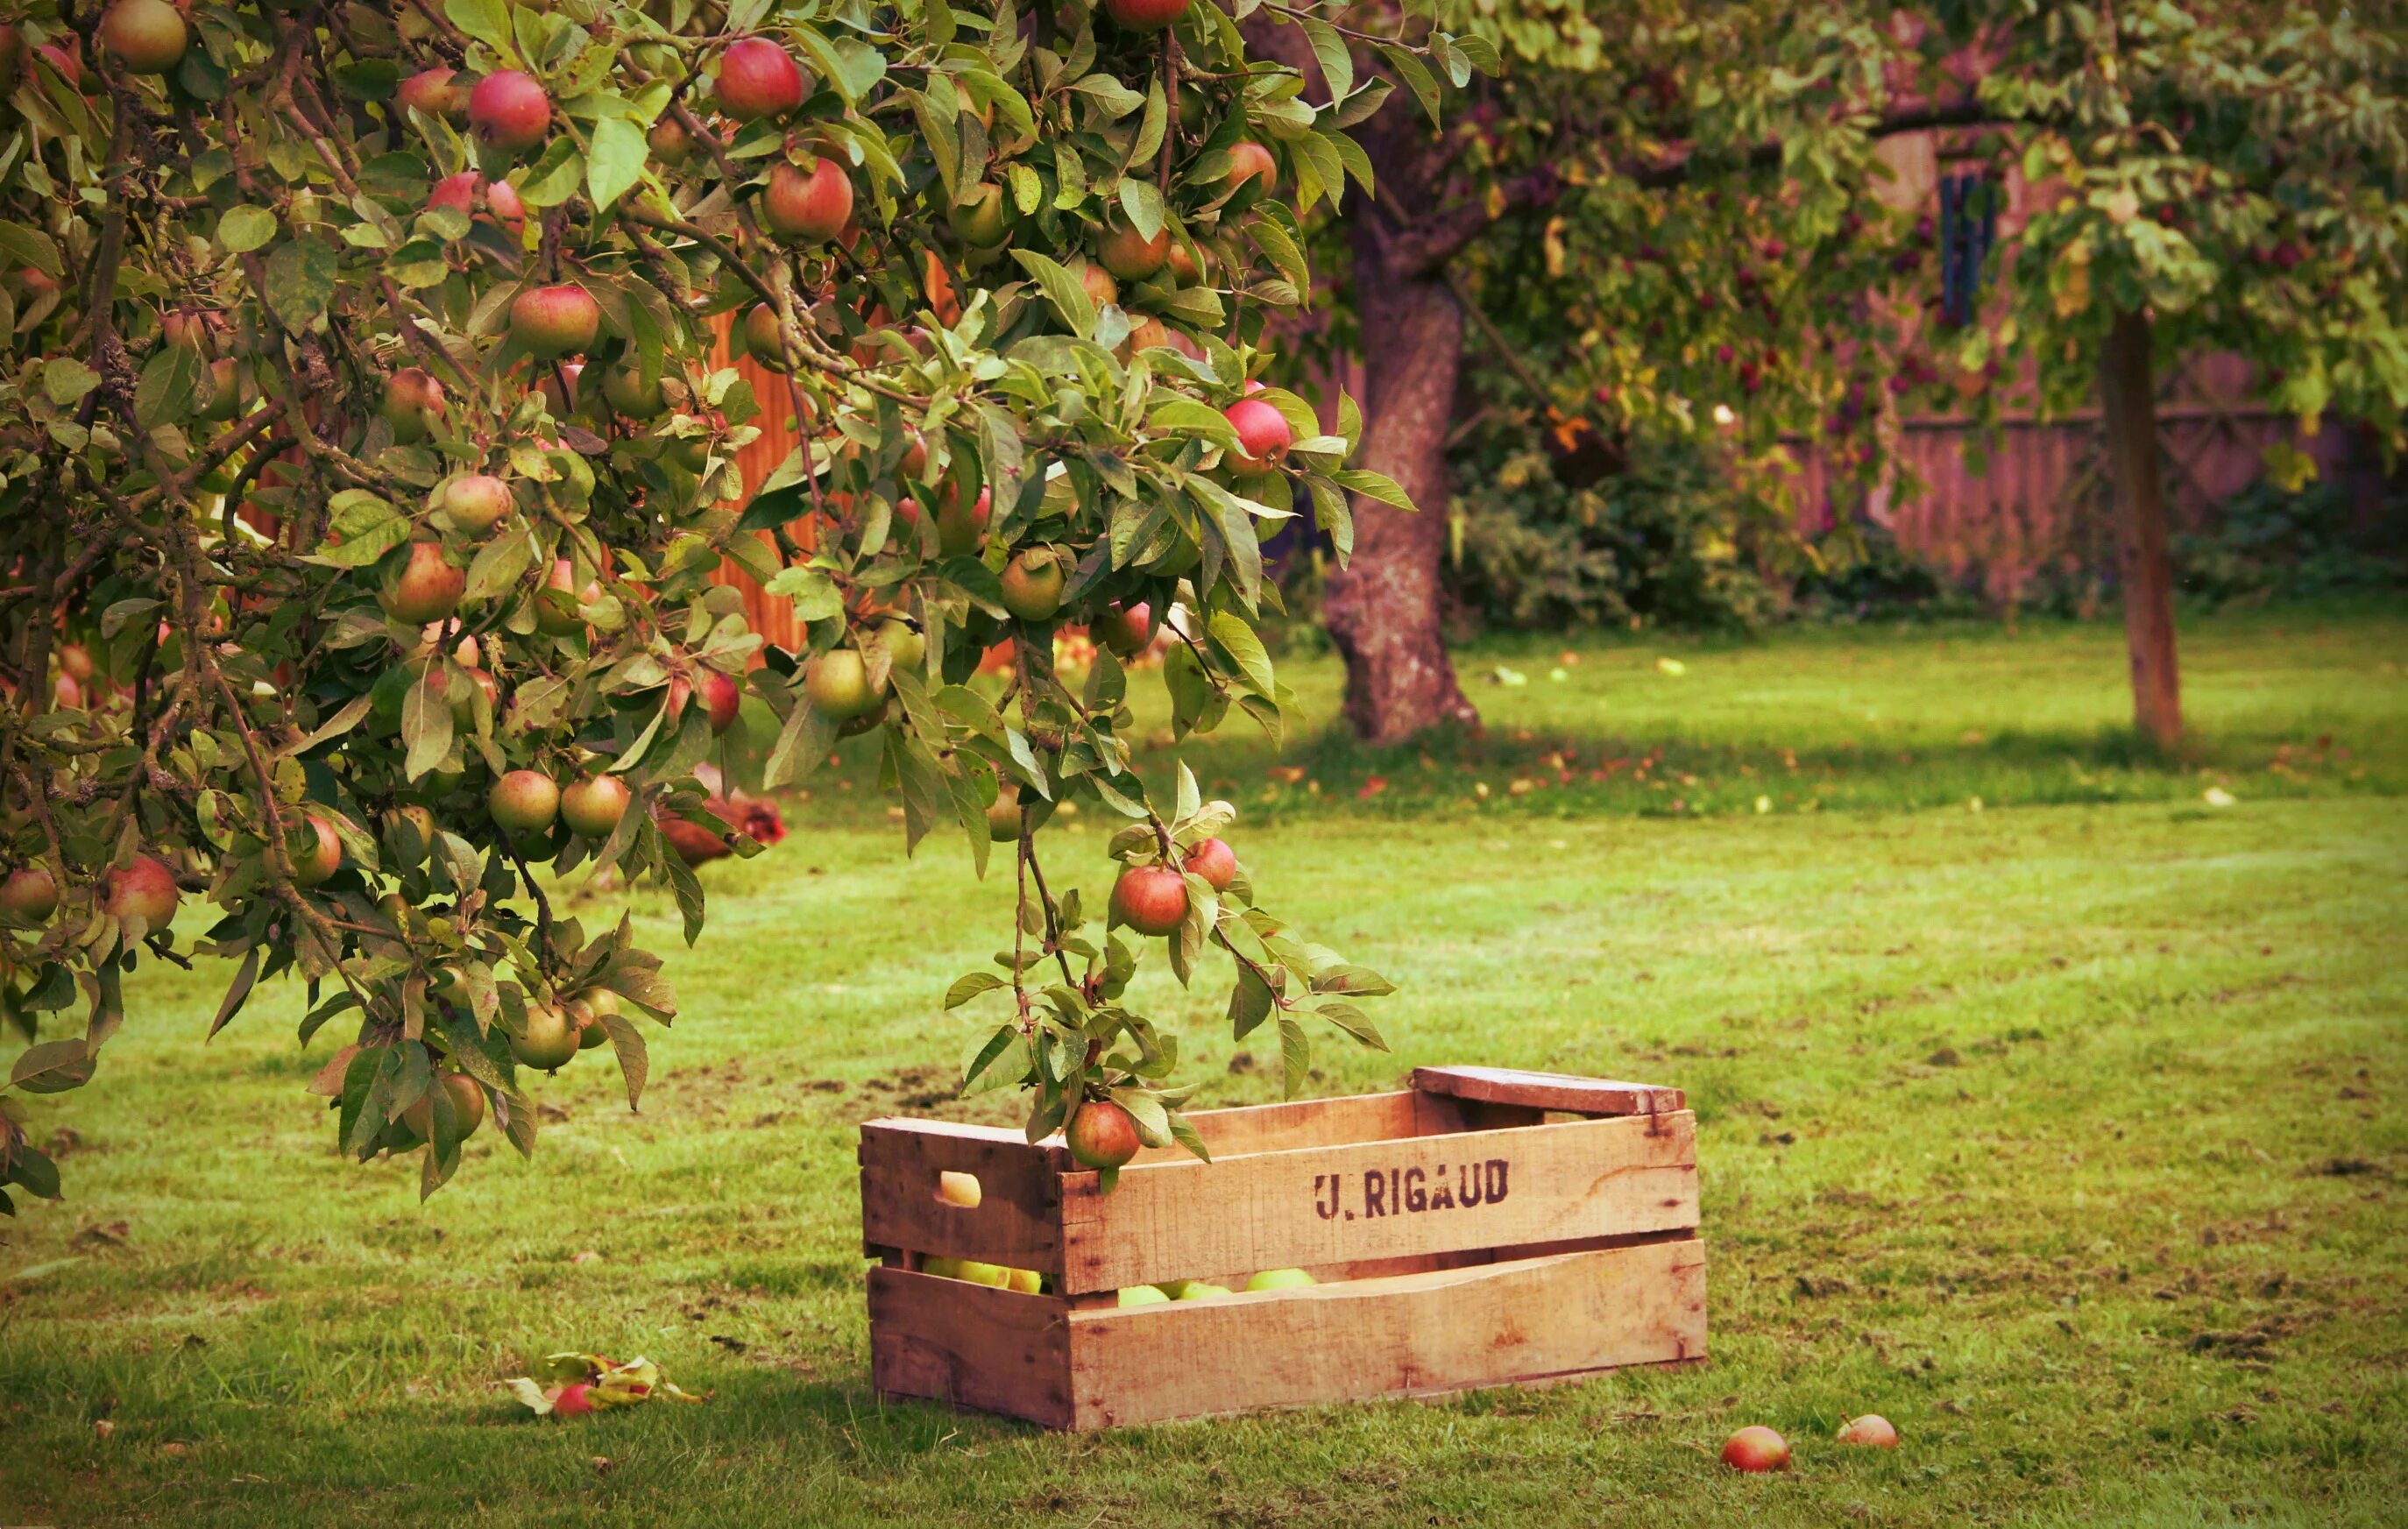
(1016, 1222)
(1323, 1122)
(1549, 1090)
(997, 1351)
(1529, 1320)
(1356, 1202)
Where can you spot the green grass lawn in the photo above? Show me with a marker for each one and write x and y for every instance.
(2066, 1133)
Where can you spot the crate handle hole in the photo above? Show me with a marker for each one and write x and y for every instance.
(959, 1189)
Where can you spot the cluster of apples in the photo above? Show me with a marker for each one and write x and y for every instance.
(1200, 1290)
(1756, 1447)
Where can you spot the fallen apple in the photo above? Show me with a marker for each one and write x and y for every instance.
(1872, 1429)
(1756, 1447)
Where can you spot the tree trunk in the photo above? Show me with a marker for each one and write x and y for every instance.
(2128, 397)
(1382, 609)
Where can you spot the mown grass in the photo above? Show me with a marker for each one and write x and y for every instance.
(2065, 1135)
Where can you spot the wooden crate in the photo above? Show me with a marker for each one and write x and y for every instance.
(1483, 1227)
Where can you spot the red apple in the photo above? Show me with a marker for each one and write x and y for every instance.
(810, 205)
(75, 659)
(1150, 899)
(721, 698)
(1126, 628)
(29, 896)
(1128, 256)
(758, 78)
(508, 112)
(1215, 861)
(145, 37)
(1033, 584)
(468, 191)
(1263, 433)
(437, 93)
(1756, 1447)
(62, 56)
(424, 587)
(670, 142)
(324, 857)
(1098, 283)
(476, 502)
(1252, 172)
(959, 531)
(413, 401)
(523, 801)
(1102, 1135)
(594, 806)
(145, 890)
(1874, 1429)
(573, 1400)
(554, 320)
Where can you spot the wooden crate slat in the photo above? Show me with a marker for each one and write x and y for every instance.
(1323, 1122)
(997, 1351)
(1377, 1199)
(1549, 1090)
(1017, 1220)
(1542, 1318)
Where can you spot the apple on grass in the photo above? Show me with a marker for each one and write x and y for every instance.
(1756, 1447)
(1871, 1429)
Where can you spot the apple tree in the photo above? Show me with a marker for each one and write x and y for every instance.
(364, 459)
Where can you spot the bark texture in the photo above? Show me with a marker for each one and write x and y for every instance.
(1383, 609)
(2128, 400)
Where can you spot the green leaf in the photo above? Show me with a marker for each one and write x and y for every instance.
(499, 565)
(1229, 629)
(1061, 289)
(1143, 200)
(1296, 1056)
(300, 281)
(1416, 77)
(1346, 1017)
(1336, 64)
(54, 1067)
(1372, 485)
(1187, 416)
(487, 20)
(31, 247)
(1007, 1046)
(66, 379)
(165, 393)
(615, 161)
(968, 987)
(245, 229)
(425, 729)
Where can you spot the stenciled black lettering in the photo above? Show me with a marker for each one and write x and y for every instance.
(1470, 1185)
(1496, 1181)
(1375, 1192)
(1415, 1198)
(1326, 1209)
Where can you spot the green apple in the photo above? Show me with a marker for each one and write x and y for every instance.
(1027, 1281)
(1143, 1295)
(1280, 1280)
(1192, 1290)
(984, 1273)
(947, 1268)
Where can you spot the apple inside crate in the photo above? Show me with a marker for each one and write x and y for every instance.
(1483, 1227)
